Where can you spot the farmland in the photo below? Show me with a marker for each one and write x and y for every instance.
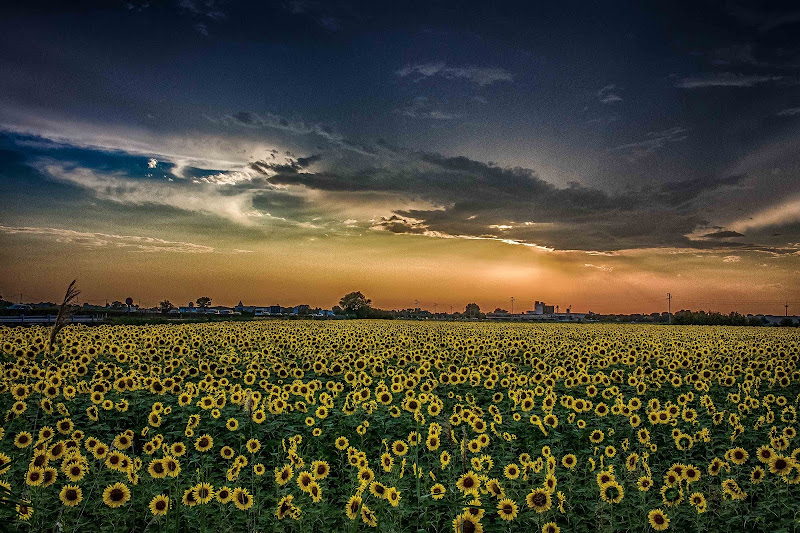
(400, 426)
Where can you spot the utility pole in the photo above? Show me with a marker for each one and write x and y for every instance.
(786, 309)
(434, 307)
(669, 307)
(512, 305)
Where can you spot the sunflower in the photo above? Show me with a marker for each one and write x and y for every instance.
(284, 475)
(242, 499)
(65, 426)
(204, 443)
(757, 475)
(511, 471)
(612, 492)
(780, 465)
(100, 451)
(70, 495)
(116, 495)
(320, 469)
(469, 483)
(156, 469)
(177, 449)
(24, 511)
(284, 507)
(671, 496)
(342, 443)
(444, 459)
(188, 498)
(352, 507)
(159, 505)
(716, 466)
(691, 474)
(466, 523)
(569, 461)
(765, 454)
(114, 460)
(253, 445)
(122, 442)
(438, 491)
(315, 491)
(494, 488)
(400, 448)
(697, 499)
(366, 475)
(377, 489)
(50, 476)
(737, 456)
(35, 476)
(223, 495)
(551, 527)
(203, 492)
(507, 509)
(23, 439)
(172, 466)
(604, 476)
(597, 436)
(658, 519)
(304, 479)
(45, 434)
(539, 500)
(368, 517)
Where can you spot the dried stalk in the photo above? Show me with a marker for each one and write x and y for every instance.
(63, 312)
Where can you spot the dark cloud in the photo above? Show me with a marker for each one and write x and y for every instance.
(327, 15)
(724, 79)
(396, 224)
(655, 141)
(291, 166)
(211, 9)
(680, 192)
(722, 235)
(474, 199)
(480, 76)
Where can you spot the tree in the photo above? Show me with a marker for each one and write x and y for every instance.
(337, 310)
(472, 311)
(165, 306)
(355, 302)
(204, 302)
(116, 304)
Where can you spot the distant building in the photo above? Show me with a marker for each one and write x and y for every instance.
(301, 310)
(244, 308)
(270, 310)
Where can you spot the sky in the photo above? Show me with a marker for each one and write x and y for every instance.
(593, 155)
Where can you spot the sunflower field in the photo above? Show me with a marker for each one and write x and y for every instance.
(399, 427)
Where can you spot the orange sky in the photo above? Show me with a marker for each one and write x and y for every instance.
(394, 270)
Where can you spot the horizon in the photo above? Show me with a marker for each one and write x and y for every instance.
(595, 157)
(443, 308)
